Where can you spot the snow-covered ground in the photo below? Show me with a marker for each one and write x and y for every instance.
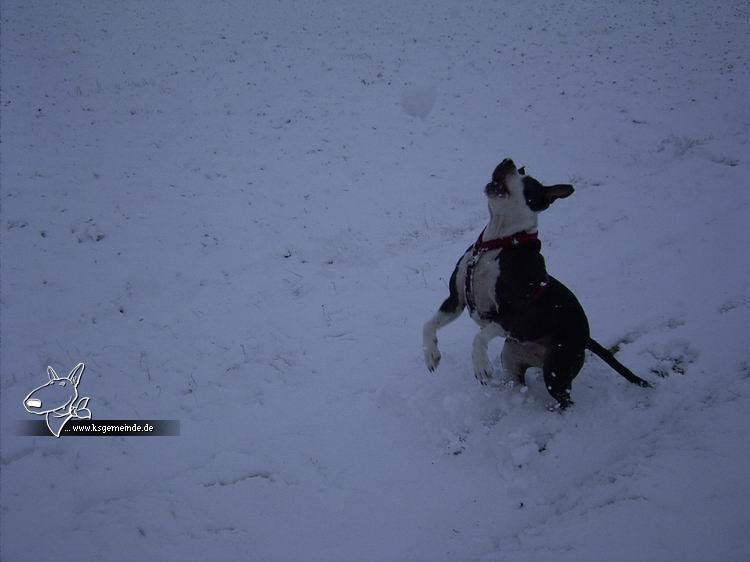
(240, 214)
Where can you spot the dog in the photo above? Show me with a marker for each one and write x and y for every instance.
(58, 400)
(503, 281)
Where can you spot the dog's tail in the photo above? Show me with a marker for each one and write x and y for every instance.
(594, 346)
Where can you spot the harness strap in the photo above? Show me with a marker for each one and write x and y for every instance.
(469, 281)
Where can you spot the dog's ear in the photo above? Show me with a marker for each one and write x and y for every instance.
(559, 191)
(522, 170)
(75, 374)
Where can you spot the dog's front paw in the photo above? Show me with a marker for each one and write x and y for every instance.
(482, 367)
(482, 370)
(484, 376)
(431, 356)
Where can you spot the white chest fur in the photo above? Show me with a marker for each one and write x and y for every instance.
(483, 277)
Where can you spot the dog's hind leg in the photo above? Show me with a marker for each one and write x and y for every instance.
(560, 368)
(514, 361)
(451, 309)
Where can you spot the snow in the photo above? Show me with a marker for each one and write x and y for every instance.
(239, 215)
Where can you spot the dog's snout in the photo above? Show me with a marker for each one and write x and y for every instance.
(503, 169)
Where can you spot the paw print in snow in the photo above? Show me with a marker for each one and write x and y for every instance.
(455, 443)
(672, 357)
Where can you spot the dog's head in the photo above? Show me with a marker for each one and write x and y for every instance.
(518, 197)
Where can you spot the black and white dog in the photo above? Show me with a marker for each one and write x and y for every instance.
(503, 280)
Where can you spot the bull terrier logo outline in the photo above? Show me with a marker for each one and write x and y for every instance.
(58, 400)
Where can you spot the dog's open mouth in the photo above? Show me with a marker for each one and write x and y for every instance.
(496, 189)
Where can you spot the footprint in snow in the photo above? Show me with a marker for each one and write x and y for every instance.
(672, 357)
(730, 304)
(455, 443)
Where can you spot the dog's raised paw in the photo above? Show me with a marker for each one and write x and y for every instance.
(431, 358)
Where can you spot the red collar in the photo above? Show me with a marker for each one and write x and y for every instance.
(480, 246)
